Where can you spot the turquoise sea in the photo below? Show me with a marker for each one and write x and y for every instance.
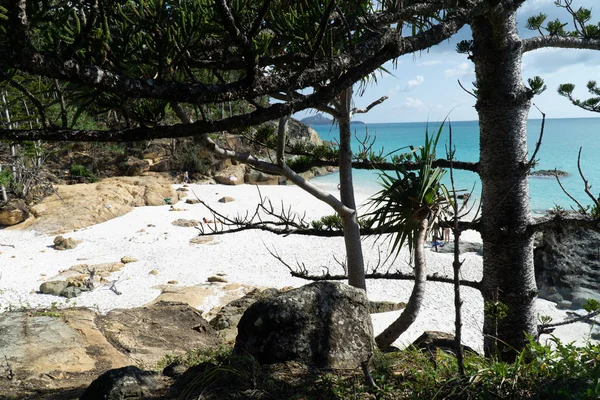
(560, 145)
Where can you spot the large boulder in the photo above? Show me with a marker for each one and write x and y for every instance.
(567, 265)
(133, 166)
(298, 132)
(231, 175)
(13, 213)
(123, 383)
(324, 324)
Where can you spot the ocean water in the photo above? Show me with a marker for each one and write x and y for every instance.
(560, 145)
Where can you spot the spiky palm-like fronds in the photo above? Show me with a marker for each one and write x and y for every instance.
(408, 197)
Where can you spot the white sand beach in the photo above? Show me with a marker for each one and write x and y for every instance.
(147, 234)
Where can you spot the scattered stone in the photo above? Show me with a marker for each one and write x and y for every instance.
(226, 199)
(53, 287)
(172, 282)
(192, 201)
(432, 340)
(260, 178)
(151, 225)
(186, 223)
(324, 324)
(201, 239)
(70, 292)
(123, 383)
(216, 279)
(183, 189)
(62, 243)
(194, 296)
(128, 259)
(153, 272)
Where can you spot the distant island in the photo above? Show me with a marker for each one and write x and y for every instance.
(319, 119)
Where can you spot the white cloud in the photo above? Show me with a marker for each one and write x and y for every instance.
(412, 104)
(428, 63)
(462, 69)
(415, 82)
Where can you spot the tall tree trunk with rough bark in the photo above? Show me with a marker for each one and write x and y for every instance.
(354, 254)
(503, 104)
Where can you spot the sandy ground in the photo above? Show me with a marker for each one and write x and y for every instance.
(147, 233)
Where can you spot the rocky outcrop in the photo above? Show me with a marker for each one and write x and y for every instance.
(133, 166)
(83, 205)
(567, 265)
(13, 213)
(432, 340)
(324, 324)
(297, 131)
(148, 333)
(231, 175)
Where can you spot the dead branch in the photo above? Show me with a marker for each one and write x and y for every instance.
(587, 187)
(368, 108)
(549, 328)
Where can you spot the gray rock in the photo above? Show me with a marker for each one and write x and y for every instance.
(226, 199)
(128, 259)
(376, 307)
(53, 287)
(70, 292)
(324, 324)
(192, 201)
(120, 384)
(432, 340)
(567, 265)
(228, 317)
(134, 166)
(13, 212)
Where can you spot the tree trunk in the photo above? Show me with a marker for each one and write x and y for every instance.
(503, 105)
(354, 253)
(385, 339)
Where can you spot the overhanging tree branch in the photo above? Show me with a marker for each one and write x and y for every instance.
(563, 42)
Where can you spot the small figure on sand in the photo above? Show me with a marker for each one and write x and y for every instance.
(186, 177)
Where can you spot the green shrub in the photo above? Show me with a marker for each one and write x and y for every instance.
(81, 171)
(300, 164)
(332, 222)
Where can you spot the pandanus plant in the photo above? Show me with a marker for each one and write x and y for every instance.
(406, 207)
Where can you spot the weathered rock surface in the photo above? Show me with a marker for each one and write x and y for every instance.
(260, 178)
(83, 205)
(123, 383)
(63, 243)
(231, 175)
(186, 223)
(227, 318)
(133, 166)
(567, 265)
(324, 324)
(297, 131)
(226, 199)
(192, 201)
(146, 334)
(53, 287)
(13, 213)
(37, 343)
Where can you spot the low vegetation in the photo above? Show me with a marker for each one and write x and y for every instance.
(558, 371)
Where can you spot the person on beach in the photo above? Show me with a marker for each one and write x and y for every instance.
(186, 177)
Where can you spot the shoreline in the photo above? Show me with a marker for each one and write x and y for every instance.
(147, 234)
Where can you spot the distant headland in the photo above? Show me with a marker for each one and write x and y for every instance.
(319, 119)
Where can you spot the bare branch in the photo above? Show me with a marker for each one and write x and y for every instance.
(555, 221)
(586, 184)
(368, 108)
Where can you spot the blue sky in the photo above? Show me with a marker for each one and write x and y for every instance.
(424, 86)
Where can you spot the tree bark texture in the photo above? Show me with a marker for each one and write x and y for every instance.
(503, 105)
(385, 339)
(354, 253)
